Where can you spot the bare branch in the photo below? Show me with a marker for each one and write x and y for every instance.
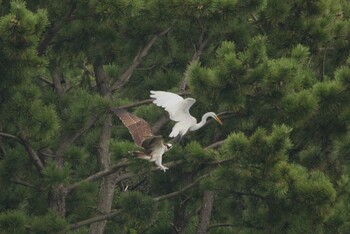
(98, 175)
(46, 81)
(215, 145)
(3, 134)
(24, 183)
(136, 104)
(160, 123)
(31, 152)
(33, 155)
(256, 20)
(68, 139)
(124, 78)
(195, 58)
(184, 189)
(221, 225)
(94, 220)
(218, 162)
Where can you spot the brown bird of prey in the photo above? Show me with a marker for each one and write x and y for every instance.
(141, 133)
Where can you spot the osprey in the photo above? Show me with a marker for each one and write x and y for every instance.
(141, 133)
(179, 111)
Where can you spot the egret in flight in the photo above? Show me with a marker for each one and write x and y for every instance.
(179, 111)
(141, 132)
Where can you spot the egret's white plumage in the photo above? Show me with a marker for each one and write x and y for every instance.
(179, 111)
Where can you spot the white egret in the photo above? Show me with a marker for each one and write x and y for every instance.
(141, 132)
(179, 111)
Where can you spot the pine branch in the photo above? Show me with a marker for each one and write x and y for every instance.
(135, 104)
(94, 220)
(3, 134)
(195, 58)
(52, 32)
(124, 78)
(46, 81)
(123, 177)
(217, 225)
(31, 152)
(98, 175)
(184, 189)
(24, 183)
(215, 145)
(68, 139)
(33, 155)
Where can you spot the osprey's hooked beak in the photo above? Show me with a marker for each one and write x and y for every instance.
(168, 146)
(217, 119)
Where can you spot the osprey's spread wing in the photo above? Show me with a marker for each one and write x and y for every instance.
(139, 129)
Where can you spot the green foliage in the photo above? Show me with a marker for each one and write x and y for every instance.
(122, 149)
(137, 207)
(13, 221)
(276, 71)
(50, 222)
(54, 175)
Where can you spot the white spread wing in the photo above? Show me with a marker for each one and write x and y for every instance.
(177, 107)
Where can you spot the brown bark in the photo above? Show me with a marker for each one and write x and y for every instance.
(57, 82)
(205, 213)
(107, 185)
(179, 220)
(57, 199)
(195, 58)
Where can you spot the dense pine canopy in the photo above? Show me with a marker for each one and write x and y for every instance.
(276, 72)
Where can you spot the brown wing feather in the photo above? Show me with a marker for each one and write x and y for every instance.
(139, 129)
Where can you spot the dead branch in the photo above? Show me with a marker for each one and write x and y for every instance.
(187, 187)
(195, 58)
(124, 78)
(94, 220)
(24, 183)
(217, 225)
(31, 152)
(46, 81)
(215, 145)
(98, 175)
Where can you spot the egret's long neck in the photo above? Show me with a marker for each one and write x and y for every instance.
(202, 122)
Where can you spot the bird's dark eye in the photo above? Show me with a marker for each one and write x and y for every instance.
(168, 146)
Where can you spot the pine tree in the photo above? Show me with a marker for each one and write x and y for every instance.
(277, 72)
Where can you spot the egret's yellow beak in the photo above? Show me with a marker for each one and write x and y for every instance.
(217, 119)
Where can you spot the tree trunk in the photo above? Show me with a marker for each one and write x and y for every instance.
(105, 197)
(104, 204)
(179, 220)
(205, 213)
(57, 199)
(106, 193)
